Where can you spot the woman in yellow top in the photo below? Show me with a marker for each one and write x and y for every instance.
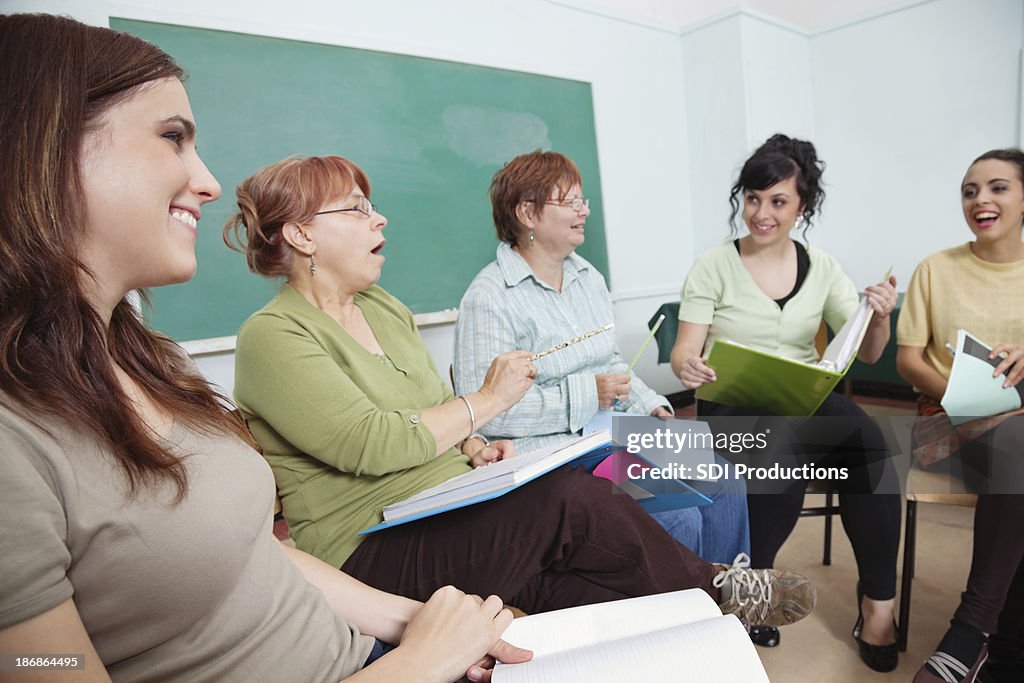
(979, 287)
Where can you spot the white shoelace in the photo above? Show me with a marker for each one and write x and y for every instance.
(757, 583)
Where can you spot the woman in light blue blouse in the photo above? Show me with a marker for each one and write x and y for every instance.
(540, 292)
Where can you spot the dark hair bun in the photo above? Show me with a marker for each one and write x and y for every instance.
(800, 151)
(780, 158)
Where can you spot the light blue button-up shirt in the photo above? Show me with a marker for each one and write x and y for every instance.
(507, 308)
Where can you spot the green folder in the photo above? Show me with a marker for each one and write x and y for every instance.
(752, 378)
(757, 379)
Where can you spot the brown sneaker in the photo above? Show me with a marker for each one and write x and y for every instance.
(764, 597)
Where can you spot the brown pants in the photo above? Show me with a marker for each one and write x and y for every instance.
(562, 540)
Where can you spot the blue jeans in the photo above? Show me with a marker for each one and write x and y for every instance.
(716, 532)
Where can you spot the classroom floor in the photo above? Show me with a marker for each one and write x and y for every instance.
(820, 648)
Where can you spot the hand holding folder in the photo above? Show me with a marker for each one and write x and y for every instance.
(972, 391)
(748, 377)
(757, 379)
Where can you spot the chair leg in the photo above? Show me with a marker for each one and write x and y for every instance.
(829, 511)
(907, 578)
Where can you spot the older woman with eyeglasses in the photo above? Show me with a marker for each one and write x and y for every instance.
(540, 292)
(341, 393)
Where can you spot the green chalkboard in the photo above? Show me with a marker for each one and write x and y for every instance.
(429, 133)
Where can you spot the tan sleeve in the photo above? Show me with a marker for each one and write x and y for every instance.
(35, 557)
(914, 325)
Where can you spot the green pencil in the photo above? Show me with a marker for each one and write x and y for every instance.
(647, 341)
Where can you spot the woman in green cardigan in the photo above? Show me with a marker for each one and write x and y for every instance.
(341, 393)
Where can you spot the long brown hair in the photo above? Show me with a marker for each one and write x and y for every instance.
(58, 77)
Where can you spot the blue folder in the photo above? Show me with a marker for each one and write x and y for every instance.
(599, 454)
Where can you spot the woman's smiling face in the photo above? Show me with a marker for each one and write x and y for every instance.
(143, 184)
(771, 213)
(992, 195)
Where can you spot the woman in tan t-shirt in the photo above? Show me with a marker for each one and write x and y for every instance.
(118, 457)
(977, 286)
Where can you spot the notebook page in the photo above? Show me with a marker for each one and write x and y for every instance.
(972, 391)
(846, 343)
(716, 649)
(576, 627)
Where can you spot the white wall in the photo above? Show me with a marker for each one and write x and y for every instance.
(897, 104)
(747, 77)
(716, 101)
(903, 104)
(807, 14)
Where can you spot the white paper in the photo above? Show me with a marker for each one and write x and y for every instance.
(846, 343)
(972, 391)
(585, 625)
(716, 649)
(496, 475)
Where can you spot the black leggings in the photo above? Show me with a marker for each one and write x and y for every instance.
(994, 599)
(871, 520)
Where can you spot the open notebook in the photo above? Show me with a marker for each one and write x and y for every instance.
(752, 378)
(972, 391)
(668, 637)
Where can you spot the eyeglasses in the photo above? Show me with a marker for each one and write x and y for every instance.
(363, 206)
(576, 204)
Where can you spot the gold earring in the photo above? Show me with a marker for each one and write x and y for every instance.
(312, 265)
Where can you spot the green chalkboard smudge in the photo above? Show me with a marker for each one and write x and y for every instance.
(488, 135)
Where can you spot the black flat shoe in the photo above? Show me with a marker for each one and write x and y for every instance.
(881, 658)
(765, 636)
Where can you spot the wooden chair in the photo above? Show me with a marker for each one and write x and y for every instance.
(922, 487)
